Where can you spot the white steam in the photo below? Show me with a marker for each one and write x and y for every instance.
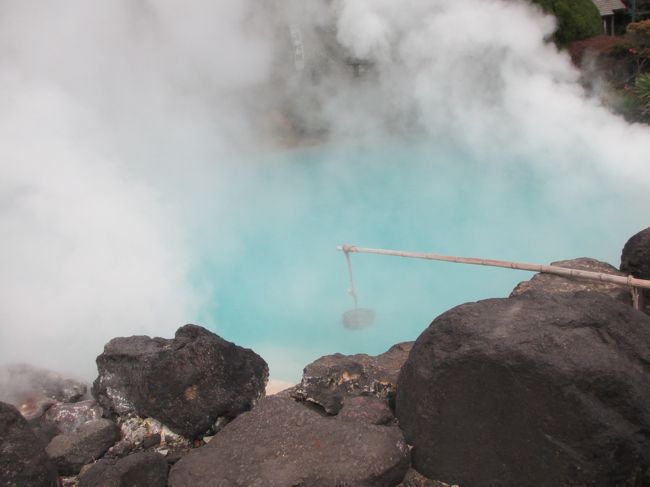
(110, 112)
(482, 73)
(128, 131)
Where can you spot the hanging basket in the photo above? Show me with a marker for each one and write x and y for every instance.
(358, 318)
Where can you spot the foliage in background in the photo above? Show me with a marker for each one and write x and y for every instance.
(617, 69)
(576, 19)
(642, 8)
(639, 32)
(642, 91)
(638, 35)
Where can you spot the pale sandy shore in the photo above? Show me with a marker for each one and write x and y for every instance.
(274, 386)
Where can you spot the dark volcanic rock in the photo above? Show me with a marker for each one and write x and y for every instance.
(23, 461)
(145, 469)
(175, 456)
(151, 441)
(331, 378)
(68, 417)
(635, 260)
(89, 442)
(33, 390)
(45, 431)
(539, 390)
(552, 283)
(366, 409)
(415, 479)
(121, 449)
(186, 383)
(282, 443)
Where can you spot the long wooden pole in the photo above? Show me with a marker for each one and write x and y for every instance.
(548, 269)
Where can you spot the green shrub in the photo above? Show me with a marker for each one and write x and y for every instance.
(634, 101)
(626, 103)
(642, 89)
(576, 19)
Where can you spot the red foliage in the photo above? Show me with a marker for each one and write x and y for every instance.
(598, 46)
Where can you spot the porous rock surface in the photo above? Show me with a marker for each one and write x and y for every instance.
(23, 461)
(552, 283)
(68, 417)
(366, 409)
(328, 380)
(89, 442)
(186, 382)
(64, 417)
(143, 469)
(283, 443)
(635, 260)
(138, 433)
(539, 389)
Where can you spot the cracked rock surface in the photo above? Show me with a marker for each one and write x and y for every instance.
(330, 379)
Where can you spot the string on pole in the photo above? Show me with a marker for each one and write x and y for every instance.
(352, 291)
(630, 281)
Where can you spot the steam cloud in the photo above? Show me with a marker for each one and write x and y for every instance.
(130, 134)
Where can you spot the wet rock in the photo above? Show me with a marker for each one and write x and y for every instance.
(23, 461)
(415, 479)
(559, 284)
(33, 390)
(331, 378)
(282, 443)
(540, 389)
(90, 441)
(186, 382)
(144, 469)
(366, 409)
(635, 260)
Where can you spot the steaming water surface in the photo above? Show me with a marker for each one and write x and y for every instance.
(284, 289)
(134, 199)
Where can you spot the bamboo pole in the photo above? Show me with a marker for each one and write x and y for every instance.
(630, 281)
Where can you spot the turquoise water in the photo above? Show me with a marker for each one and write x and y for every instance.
(281, 286)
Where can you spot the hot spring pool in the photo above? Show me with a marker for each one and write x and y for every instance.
(143, 188)
(278, 284)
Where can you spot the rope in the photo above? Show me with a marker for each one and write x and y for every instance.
(351, 291)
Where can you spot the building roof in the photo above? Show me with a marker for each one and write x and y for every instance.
(607, 7)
